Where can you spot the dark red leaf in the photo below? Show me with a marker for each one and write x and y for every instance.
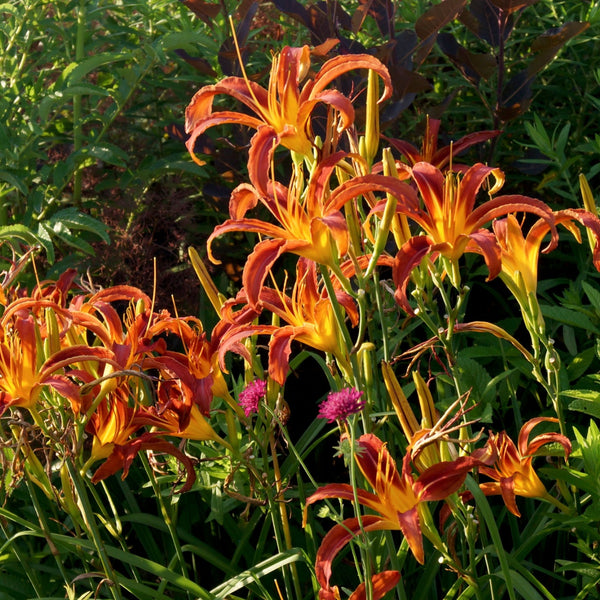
(473, 66)
(512, 6)
(383, 11)
(207, 11)
(199, 63)
(437, 16)
(293, 9)
(488, 22)
(549, 43)
(516, 96)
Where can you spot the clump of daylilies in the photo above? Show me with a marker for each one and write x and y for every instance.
(379, 230)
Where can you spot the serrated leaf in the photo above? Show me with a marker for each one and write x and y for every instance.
(15, 181)
(77, 220)
(482, 389)
(76, 71)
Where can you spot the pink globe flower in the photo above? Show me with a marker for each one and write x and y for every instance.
(251, 395)
(340, 405)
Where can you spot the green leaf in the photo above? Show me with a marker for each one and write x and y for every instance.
(485, 510)
(15, 181)
(580, 363)
(260, 570)
(75, 72)
(569, 317)
(75, 219)
(59, 97)
(593, 295)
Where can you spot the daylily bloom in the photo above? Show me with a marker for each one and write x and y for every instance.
(428, 441)
(520, 253)
(441, 157)
(512, 472)
(283, 108)
(24, 372)
(308, 315)
(311, 223)
(113, 425)
(396, 501)
(451, 223)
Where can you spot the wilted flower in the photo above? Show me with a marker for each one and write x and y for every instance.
(340, 405)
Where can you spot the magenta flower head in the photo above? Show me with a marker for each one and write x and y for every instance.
(251, 395)
(340, 405)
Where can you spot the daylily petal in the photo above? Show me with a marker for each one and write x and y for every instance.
(258, 265)
(444, 478)
(485, 243)
(411, 529)
(527, 448)
(336, 538)
(381, 584)
(507, 489)
(122, 457)
(334, 67)
(409, 257)
(345, 492)
(373, 459)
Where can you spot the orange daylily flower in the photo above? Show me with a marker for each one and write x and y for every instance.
(451, 223)
(311, 222)
(520, 254)
(283, 108)
(512, 472)
(308, 315)
(441, 157)
(23, 371)
(113, 425)
(396, 500)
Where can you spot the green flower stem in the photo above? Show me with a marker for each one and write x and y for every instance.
(282, 511)
(339, 317)
(364, 557)
(93, 531)
(379, 303)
